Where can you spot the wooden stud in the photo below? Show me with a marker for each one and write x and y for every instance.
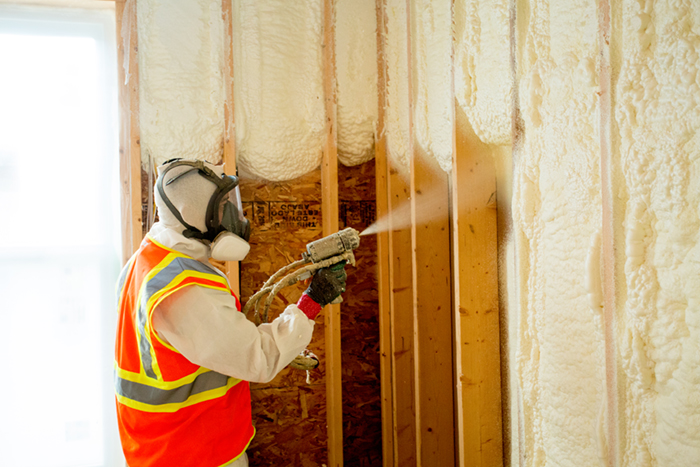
(477, 338)
(129, 138)
(432, 298)
(400, 298)
(232, 268)
(432, 308)
(401, 288)
(383, 257)
(476, 317)
(608, 233)
(330, 216)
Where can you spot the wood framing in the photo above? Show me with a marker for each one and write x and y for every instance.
(479, 426)
(608, 232)
(329, 207)
(129, 139)
(432, 308)
(477, 339)
(232, 268)
(432, 297)
(383, 257)
(402, 327)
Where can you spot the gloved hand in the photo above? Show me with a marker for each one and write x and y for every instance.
(327, 284)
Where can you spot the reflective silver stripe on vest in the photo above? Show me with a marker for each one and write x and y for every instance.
(158, 282)
(153, 396)
(122, 278)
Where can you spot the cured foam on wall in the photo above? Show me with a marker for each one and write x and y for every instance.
(396, 114)
(278, 92)
(483, 77)
(557, 216)
(433, 104)
(181, 93)
(356, 75)
(657, 191)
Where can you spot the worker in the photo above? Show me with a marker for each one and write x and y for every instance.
(184, 351)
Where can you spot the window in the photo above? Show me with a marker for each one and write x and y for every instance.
(59, 237)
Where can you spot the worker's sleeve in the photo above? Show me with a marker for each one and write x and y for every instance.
(205, 326)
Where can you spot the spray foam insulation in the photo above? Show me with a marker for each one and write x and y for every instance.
(397, 88)
(557, 214)
(483, 76)
(181, 91)
(433, 105)
(278, 73)
(657, 193)
(356, 75)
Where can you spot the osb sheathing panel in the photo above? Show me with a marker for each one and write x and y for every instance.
(362, 423)
(289, 415)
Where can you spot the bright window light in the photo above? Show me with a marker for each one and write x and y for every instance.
(59, 237)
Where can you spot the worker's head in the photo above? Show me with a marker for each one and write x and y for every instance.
(199, 200)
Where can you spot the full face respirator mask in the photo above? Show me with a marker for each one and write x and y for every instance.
(227, 229)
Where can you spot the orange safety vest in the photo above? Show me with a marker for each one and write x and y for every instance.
(171, 411)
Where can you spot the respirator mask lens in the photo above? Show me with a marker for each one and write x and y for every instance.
(231, 216)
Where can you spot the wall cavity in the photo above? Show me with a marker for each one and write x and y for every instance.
(278, 93)
(433, 100)
(483, 76)
(356, 78)
(396, 116)
(181, 52)
(657, 190)
(557, 216)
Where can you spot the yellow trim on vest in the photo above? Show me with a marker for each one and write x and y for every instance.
(169, 408)
(242, 452)
(160, 384)
(160, 245)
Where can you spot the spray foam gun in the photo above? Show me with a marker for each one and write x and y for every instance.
(335, 249)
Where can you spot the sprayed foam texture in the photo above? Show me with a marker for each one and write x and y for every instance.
(433, 109)
(181, 92)
(657, 113)
(655, 164)
(397, 102)
(557, 217)
(483, 77)
(278, 93)
(356, 72)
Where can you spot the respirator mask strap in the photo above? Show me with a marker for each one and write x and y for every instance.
(222, 214)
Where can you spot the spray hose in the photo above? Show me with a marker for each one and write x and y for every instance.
(302, 269)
